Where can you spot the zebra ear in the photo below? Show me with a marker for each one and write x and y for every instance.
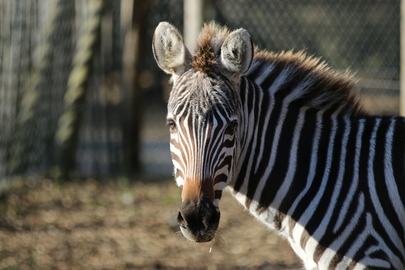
(169, 50)
(237, 52)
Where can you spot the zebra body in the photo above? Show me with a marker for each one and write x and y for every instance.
(287, 136)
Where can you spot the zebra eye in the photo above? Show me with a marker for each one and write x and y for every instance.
(171, 124)
(230, 129)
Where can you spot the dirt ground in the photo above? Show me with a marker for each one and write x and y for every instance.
(124, 225)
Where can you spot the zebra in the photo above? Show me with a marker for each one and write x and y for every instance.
(288, 137)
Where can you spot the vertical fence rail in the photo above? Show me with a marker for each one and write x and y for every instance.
(193, 21)
(69, 123)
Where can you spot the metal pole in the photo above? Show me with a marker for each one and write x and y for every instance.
(193, 21)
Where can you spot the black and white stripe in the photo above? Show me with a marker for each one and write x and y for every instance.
(330, 180)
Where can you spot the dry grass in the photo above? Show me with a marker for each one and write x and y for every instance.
(121, 225)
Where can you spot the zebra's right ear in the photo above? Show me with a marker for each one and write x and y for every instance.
(237, 53)
(169, 50)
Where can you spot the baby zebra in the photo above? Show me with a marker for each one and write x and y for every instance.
(287, 136)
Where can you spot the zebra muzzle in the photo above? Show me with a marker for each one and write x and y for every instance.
(198, 220)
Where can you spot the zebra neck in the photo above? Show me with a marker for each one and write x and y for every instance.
(288, 156)
(276, 153)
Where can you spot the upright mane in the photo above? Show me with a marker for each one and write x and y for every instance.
(324, 87)
(209, 47)
(321, 87)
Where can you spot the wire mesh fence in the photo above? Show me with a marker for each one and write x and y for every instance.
(359, 36)
(39, 40)
(362, 36)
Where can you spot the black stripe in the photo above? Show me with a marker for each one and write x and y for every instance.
(281, 163)
(303, 163)
(330, 189)
(218, 194)
(247, 93)
(358, 229)
(257, 175)
(273, 72)
(383, 192)
(398, 155)
(316, 182)
(257, 66)
(361, 252)
(347, 178)
(290, 84)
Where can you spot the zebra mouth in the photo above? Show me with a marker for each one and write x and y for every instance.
(199, 236)
(198, 221)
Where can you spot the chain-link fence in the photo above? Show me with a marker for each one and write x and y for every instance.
(362, 36)
(43, 44)
(39, 41)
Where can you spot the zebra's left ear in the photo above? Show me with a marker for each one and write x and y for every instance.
(237, 53)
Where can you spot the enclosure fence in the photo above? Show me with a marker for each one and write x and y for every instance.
(78, 77)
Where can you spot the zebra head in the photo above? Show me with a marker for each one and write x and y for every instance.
(203, 118)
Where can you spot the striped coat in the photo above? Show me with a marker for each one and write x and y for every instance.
(287, 136)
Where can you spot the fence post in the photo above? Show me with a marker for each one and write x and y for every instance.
(135, 47)
(193, 21)
(69, 122)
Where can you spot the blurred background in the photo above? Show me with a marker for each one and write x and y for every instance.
(82, 99)
(80, 90)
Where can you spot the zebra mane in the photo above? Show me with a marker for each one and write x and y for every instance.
(323, 87)
(209, 44)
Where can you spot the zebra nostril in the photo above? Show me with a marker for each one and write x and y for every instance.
(212, 219)
(181, 220)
